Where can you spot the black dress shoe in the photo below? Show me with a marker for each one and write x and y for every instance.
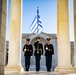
(48, 70)
(37, 70)
(27, 69)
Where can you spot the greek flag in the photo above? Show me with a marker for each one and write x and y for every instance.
(36, 26)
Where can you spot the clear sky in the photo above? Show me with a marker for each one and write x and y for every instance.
(48, 14)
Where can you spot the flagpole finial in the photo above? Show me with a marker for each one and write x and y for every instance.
(37, 7)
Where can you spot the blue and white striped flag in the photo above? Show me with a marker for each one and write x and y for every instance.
(36, 26)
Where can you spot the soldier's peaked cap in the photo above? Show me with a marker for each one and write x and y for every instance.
(48, 39)
(37, 37)
(28, 39)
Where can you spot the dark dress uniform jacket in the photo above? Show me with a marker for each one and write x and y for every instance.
(29, 50)
(38, 49)
(50, 50)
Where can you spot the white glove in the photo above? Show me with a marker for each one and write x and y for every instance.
(46, 48)
(31, 56)
(41, 55)
(24, 49)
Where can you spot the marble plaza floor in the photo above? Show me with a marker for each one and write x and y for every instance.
(34, 73)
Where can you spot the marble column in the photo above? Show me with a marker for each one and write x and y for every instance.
(75, 32)
(3, 10)
(64, 54)
(14, 57)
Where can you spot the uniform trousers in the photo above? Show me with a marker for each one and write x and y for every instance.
(27, 62)
(48, 62)
(37, 58)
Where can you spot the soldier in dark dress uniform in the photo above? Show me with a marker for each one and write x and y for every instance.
(38, 52)
(49, 51)
(28, 51)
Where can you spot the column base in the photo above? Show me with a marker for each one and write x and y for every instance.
(75, 67)
(13, 68)
(2, 67)
(65, 69)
